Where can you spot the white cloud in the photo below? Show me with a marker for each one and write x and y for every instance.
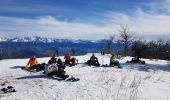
(51, 27)
(162, 6)
(152, 23)
(145, 23)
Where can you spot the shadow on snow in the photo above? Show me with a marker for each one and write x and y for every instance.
(147, 67)
(32, 77)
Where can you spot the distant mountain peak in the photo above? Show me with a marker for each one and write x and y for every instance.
(44, 40)
(2, 39)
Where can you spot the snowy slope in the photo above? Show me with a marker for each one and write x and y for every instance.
(134, 82)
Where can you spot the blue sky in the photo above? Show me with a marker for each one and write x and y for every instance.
(83, 19)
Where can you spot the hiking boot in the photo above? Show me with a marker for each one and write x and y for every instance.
(72, 79)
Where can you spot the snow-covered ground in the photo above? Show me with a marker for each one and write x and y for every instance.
(133, 82)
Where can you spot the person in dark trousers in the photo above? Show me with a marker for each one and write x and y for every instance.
(61, 65)
(71, 61)
(93, 61)
(113, 62)
(40, 67)
(34, 65)
(136, 60)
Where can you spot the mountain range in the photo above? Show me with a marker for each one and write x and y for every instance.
(40, 46)
(44, 40)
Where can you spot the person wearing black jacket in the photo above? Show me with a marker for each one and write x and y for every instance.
(52, 60)
(93, 61)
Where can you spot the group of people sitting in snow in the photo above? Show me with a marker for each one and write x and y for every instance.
(56, 66)
(93, 61)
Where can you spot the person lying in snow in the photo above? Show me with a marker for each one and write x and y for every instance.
(56, 69)
(136, 60)
(114, 62)
(34, 65)
(93, 61)
(71, 61)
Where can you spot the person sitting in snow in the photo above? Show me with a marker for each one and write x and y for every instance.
(112, 59)
(71, 61)
(34, 65)
(56, 69)
(114, 62)
(61, 66)
(93, 61)
(75, 61)
(52, 60)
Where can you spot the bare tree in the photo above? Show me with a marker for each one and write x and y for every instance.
(107, 46)
(126, 36)
(110, 43)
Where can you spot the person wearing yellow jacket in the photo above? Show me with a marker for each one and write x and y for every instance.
(32, 63)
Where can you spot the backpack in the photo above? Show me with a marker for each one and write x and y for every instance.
(49, 68)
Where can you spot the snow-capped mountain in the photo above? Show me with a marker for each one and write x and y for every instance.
(2, 39)
(29, 39)
(44, 40)
(27, 46)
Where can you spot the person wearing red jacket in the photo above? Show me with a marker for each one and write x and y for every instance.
(67, 57)
(69, 60)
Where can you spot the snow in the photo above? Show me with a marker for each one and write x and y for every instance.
(133, 82)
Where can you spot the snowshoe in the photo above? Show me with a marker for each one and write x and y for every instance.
(56, 77)
(73, 79)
